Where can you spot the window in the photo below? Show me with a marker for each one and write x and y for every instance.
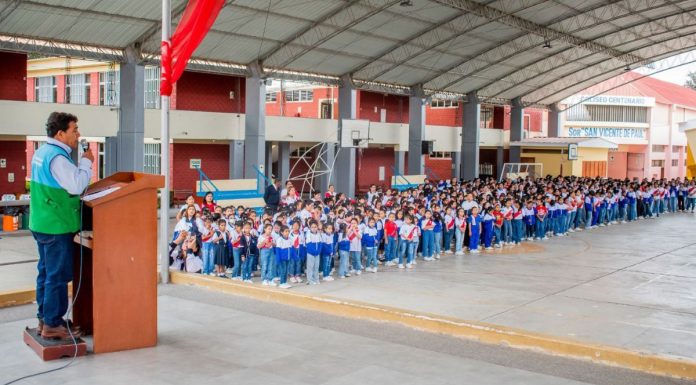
(441, 155)
(151, 161)
(444, 103)
(600, 113)
(658, 163)
(109, 88)
(675, 162)
(676, 149)
(301, 151)
(101, 159)
(45, 89)
(271, 97)
(486, 117)
(299, 96)
(658, 148)
(38, 144)
(152, 87)
(77, 88)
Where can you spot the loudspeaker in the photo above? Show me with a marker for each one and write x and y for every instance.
(426, 147)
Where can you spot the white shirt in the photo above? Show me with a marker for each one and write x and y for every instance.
(74, 179)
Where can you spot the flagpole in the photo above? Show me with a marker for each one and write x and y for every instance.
(164, 158)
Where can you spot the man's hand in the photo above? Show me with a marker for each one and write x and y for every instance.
(88, 155)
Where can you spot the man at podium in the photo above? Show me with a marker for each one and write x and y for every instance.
(56, 185)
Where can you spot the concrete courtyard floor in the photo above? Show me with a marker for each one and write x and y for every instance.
(631, 286)
(213, 338)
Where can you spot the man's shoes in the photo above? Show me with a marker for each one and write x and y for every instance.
(75, 329)
(39, 328)
(58, 333)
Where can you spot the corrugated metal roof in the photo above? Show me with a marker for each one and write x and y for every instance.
(494, 47)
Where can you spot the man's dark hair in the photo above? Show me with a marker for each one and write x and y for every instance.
(58, 121)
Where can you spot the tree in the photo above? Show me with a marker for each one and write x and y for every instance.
(691, 80)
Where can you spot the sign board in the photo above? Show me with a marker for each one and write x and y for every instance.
(194, 163)
(611, 100)
(607, 132)
(573, 151)
(3, 163)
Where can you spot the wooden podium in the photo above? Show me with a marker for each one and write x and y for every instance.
(117, 301)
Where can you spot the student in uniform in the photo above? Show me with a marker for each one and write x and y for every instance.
(208, 247)
(355, 238)
(248, 251)
(427, 224)
(327, 251)
(284, 246)
(498, 225)
(265, 246)
(236, 247)
(408, 232)
(313, 243)
(488, 222)
(391, 235)
(541, 212)
(529, 219)
(474, 230)
(517, 224)
(343, 245)
(295, 264)
(448, 230)
(220, 240)
(460, 224)
(370, 236)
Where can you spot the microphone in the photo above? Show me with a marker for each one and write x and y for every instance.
(84, 146)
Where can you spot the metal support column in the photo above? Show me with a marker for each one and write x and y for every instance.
(456, 164)
(344, 169)
(499, 160)
(255, 122)
(283, 161)
(237, 160)
(555, 123)
(470, 137)
(516, 129)
(416, 131)
(399, 161)
(131, 122)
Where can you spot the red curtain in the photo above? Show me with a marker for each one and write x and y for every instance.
(198, 17)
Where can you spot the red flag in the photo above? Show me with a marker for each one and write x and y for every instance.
(198, 17)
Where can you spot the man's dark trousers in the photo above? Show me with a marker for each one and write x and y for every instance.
(55, 271)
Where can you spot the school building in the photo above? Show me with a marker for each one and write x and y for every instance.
(207, 123)
(208, 112)
(642, 117)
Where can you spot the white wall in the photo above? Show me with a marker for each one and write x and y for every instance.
(29, 119)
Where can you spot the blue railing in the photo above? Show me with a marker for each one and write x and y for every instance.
(401, 186)
(201, 176)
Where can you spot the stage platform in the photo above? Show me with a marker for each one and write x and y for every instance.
(213, 338)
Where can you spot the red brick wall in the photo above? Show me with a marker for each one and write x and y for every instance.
(30, 90)
(14, 152)
(13, 76)
(438, 168)
(94, 88)
(369, 160)
(29, 151)
(440, 116)
(371, 103)
(536, 117)
(209, 92)
(60, 88)
(214, 163)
